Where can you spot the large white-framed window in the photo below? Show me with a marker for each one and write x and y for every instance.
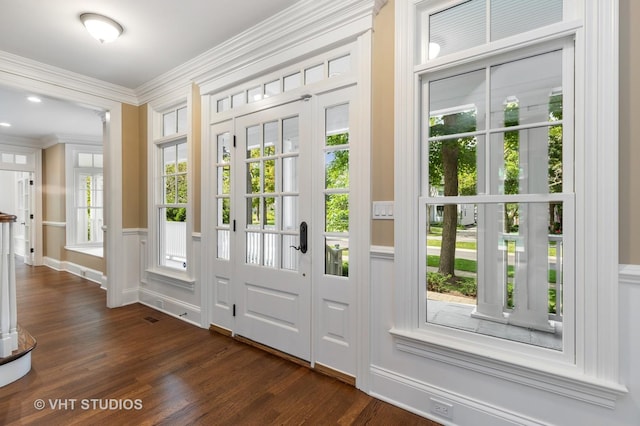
(170, 213)
(499, 129)
(85, 198)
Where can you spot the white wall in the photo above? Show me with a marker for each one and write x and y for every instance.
(8, 192)
(172, 296)
(410, 381)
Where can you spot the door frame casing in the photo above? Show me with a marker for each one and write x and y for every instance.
(360, 201)
(36, 196)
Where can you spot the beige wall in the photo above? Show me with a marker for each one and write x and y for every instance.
(629, 132)
(91, 262)
(142, 167)
(53, 181)
(131, 186)
(382, 119)
(53, 201)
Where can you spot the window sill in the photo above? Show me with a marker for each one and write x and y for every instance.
(174, 278)
(90, 251)
(560, 381)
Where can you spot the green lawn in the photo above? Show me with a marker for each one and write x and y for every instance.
(467, 265)
(472, 245)
(468, 286)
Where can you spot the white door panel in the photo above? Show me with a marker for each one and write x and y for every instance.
(334, 281)
(221, 294)
(271, 199)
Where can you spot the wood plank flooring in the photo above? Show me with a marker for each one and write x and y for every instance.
(94, 365)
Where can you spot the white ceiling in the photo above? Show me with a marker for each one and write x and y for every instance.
(159, 35)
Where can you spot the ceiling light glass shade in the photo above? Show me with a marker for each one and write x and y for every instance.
(34, 99)
(100, 27)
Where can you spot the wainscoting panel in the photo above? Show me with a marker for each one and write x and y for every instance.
(455, 395)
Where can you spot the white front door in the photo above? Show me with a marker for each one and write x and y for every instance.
(269, 172)
(273, 203)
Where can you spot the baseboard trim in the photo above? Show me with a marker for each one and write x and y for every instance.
(170, 306)
(409, 393)
(75, 269)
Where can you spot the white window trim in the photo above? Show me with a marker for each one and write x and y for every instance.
(183, 279)
(594, 376)
(71, 153)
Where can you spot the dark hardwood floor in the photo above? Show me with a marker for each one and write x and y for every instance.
(135, 365)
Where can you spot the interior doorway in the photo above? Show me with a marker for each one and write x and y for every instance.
(18, 195)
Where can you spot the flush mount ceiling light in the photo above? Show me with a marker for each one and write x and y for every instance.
(5, 124)
(100, 27)
(34, 99)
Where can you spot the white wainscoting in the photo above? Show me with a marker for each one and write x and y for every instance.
(178, 295)
(131, 246)
(418, 384)
(171, 306)
(75, 269)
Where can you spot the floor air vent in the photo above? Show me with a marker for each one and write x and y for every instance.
(151, 319)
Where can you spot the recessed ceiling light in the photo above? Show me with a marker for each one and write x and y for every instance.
(4, 124)
(34, 99)
(100, 27)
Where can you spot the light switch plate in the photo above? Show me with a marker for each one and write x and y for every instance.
(382, 210)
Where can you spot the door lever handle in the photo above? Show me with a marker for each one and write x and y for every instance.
(303, 238)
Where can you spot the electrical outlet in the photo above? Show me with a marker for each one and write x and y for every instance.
(441, 408)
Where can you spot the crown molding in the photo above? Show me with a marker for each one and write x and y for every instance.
(283, 37)
(20, 141)
(52, 140)
(79, 139)
(379, 4)
(18, 69)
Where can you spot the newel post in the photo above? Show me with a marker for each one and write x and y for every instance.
(8, 307)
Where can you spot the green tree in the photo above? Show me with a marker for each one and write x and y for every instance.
(337, 177)
(555, 161)
(452, 162)
(511, 164)
(261, 176)
(176, 191)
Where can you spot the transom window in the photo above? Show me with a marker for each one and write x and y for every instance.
(449, 29)
(174, 122)
(294, 79)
